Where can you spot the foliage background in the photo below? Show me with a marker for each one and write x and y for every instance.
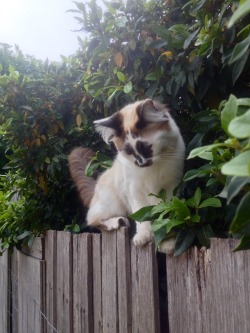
(181, 53)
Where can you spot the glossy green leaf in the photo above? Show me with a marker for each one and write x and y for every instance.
(210, 202)
(172, 223)
(204, 234)
(239, 50)
(197, 197)
(241, 221)
(201, 150)
(143, 214)
(244, 244)
(184, 240)
(157, 224)
(238, 166)
(244, 9)
(235, 186)
(239, 127)
(128, 88)
(229, 112)
(181, 210)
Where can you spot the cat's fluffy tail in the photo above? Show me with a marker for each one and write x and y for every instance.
(78, 160)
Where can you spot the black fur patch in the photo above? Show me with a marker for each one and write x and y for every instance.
(144, 149)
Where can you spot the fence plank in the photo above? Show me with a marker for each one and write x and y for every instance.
(230, 290)
(82, 283)
(97, 282)
(186, 281)
(145, 313)
(4, 287)
(109, 283)
(14, 290)
(208, 290)
(64, 283)
(37, 248)
(124, 281)
(51, 280)
(31, 272)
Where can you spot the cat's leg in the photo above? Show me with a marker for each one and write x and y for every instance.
(106, 211)
(144, 233)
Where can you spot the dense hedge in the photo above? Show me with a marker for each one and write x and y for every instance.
(181, 53)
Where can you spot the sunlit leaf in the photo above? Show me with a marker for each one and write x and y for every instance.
(229, 112)
(239, 127)
(238, 166)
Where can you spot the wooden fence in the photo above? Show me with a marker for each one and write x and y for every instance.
(103, 284)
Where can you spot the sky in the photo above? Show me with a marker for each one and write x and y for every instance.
(41, 28)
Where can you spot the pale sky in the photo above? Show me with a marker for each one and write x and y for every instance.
(41, 28)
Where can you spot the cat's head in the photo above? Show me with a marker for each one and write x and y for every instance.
(141, 131)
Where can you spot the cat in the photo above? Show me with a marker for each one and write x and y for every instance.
(150, 157)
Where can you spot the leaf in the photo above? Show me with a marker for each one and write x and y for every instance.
(143, 214)
(235, 185)
(239, 127)
(204, 234)
(181, 210)
(78, 120)
(244, 244)
(184, 240)
(162, 207)
(244, 9)
(159, 223)
(238, 166)
(197, 197)
(239, 66)
(241, 221)
(239, 50)
(128, 87)
(161, 31)
(173, 223)
(210, 202)
(201, 150)
(24, 234)
(118, 59)
(229, 112)
(121, 76)
(190, 39)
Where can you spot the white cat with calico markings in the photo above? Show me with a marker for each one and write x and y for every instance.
(150, 156)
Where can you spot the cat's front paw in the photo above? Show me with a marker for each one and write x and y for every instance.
(115, 223)
(167, 246)
(143, 237)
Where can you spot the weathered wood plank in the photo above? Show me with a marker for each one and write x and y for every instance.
(230, 290)
(186, 282)
(37, 248)
(145, 297)
(97, 283)
(51, 280)
(4, 289)
(82, 284)
(64, 283)
(31, 272)
(14, 290)
(124, 281)
(109, 283)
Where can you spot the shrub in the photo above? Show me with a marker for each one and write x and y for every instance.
(180, 53)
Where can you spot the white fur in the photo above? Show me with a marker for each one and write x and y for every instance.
(125, 188)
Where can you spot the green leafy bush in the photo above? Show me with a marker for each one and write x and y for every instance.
(180, 53)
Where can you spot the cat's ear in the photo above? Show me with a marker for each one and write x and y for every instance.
(153, 112)
(109, 127)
